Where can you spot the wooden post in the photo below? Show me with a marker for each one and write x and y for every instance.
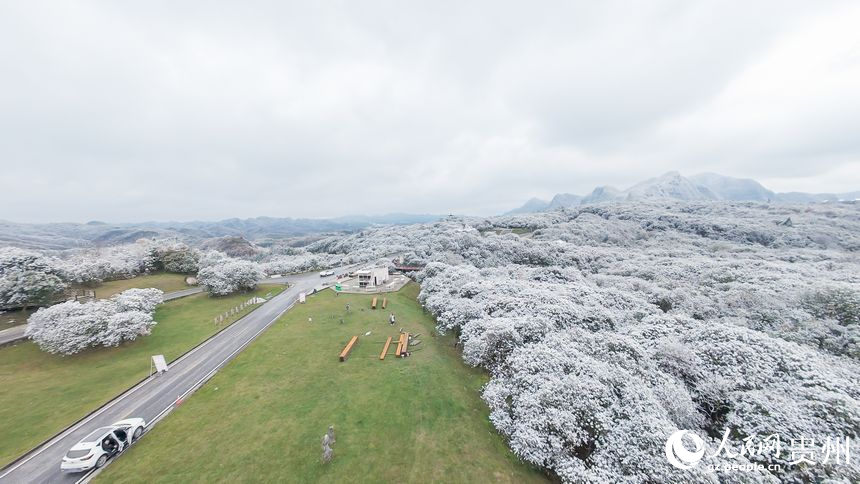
(349, 346)
(399, 346)
(385, 348)
(402, 345)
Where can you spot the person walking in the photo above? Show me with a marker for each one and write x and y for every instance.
(391, 319)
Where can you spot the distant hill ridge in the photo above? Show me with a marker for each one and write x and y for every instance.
(60, 236)
(674, 186)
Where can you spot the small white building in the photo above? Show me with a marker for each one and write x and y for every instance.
(372, 276)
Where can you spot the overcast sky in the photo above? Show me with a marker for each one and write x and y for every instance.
(132, 111)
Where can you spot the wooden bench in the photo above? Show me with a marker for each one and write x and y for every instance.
(349, 346)
(385, 348)
(373, 303)
(384, 302)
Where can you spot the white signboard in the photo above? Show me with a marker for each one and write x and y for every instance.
(302, 297)
(159, 363)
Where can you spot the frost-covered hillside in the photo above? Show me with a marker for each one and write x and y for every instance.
(610, 327)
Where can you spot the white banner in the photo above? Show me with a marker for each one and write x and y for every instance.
(159, 363)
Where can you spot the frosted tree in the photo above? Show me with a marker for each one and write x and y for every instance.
(27, 278)
(174, 256)
(226, 276)
(144, 300)
(91, 267)
(71, 327)
(613, 326)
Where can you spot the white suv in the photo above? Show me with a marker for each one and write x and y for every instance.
(95, 449)
(326, 273)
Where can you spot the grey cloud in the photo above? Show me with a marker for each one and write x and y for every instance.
(198, 110)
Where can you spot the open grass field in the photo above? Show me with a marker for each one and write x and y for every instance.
(261, 419)
(14, 318)
(163, 280)
(43, 393)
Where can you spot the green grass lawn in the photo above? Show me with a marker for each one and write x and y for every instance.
(261, 419)
(165, 281)
(44, 393)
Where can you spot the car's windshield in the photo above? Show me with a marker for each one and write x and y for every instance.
(93, 437)
(75, 454)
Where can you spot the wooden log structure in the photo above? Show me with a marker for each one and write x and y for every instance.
(348, 348)
(384, 302)
(402, 345)
(373, 303)
(385, 348)
(399, 346)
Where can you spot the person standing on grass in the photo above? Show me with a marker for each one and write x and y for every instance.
(391, 319)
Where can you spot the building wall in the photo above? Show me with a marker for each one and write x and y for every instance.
(379, 273)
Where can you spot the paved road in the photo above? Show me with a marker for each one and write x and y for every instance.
(157, 394)
(12, 334)
(275, 280)
(185, 292)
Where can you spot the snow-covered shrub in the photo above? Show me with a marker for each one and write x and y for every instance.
(135, 299)
(843, 305)
(591, 408)
(70, 327)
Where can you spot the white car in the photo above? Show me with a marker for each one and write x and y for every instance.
(94, 450)
(326, 273)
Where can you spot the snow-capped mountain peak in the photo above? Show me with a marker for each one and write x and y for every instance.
(674, 186)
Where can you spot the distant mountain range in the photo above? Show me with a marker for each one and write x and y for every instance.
(674, 186)
(59, 236)
(264, 230)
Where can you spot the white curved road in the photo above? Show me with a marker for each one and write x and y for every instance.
(156, 395)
